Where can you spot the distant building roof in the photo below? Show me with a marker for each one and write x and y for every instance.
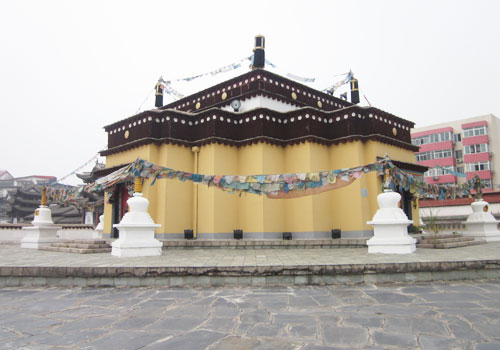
(5, 175)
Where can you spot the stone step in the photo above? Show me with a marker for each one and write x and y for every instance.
(80, 246)
(84, 241)
(450, 245)
(445, 240)
(442, 236)
(76, 250)
(265, 243)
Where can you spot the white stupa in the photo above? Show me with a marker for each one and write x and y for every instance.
(390, 233)
(43, 232)
(481, 224)
(137, 229)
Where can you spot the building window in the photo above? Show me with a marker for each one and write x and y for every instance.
(479, 148)
(478, 166)
(457, 137)
(433, 138)
(439, 171)
(442, 153)
(460, 169)
(459, 154)
(424, 156)
(475, 131)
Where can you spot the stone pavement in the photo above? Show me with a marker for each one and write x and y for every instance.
(263, 267)
(455, 315)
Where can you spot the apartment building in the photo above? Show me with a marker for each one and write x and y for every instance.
(468, 146)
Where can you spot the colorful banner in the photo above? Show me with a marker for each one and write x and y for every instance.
(276, 186)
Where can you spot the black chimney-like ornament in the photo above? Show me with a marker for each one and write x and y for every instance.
(159, 93)
(354, 91)
(259, 55)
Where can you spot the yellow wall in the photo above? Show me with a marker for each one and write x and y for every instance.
(172, 204)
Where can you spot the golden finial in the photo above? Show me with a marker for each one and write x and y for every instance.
(44, 196)
(138, 185)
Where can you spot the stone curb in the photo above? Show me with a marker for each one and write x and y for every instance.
(248, 275)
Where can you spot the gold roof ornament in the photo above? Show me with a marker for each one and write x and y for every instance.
(138, 185)
(44, 196)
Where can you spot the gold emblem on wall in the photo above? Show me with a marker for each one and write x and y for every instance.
(320, 104)
(394, 131)
(198, 105)
(224, 96)
(127, 134)
(294, 95)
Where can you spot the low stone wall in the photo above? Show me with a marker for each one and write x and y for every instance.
(450, 224)
(76, 232)
(13, 233)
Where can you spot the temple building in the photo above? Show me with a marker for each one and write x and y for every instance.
(259, 123)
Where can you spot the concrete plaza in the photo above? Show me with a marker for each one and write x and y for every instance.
(437, 315)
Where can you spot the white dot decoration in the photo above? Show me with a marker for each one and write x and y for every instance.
(183, 121)
(157, 120)
(214, 117)
(139, 122)
(130, 125)
(135, 123)
(313, 117)
(247, 120)
(254, 118)
(319, 119)
(222, 119)
(261, 116)
(175, 120)
(299, 117)
(228, 120)
(274, 119)
(202, 121)
(285, 121)
(241, 121)
(190, 123)
(168, 118)
(292, 120)
(346, 116)
(279, 121)
(267, 117)
(338, 118)
(235, 122)
(144, 120)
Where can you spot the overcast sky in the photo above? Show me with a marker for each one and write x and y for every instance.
(68, 68)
